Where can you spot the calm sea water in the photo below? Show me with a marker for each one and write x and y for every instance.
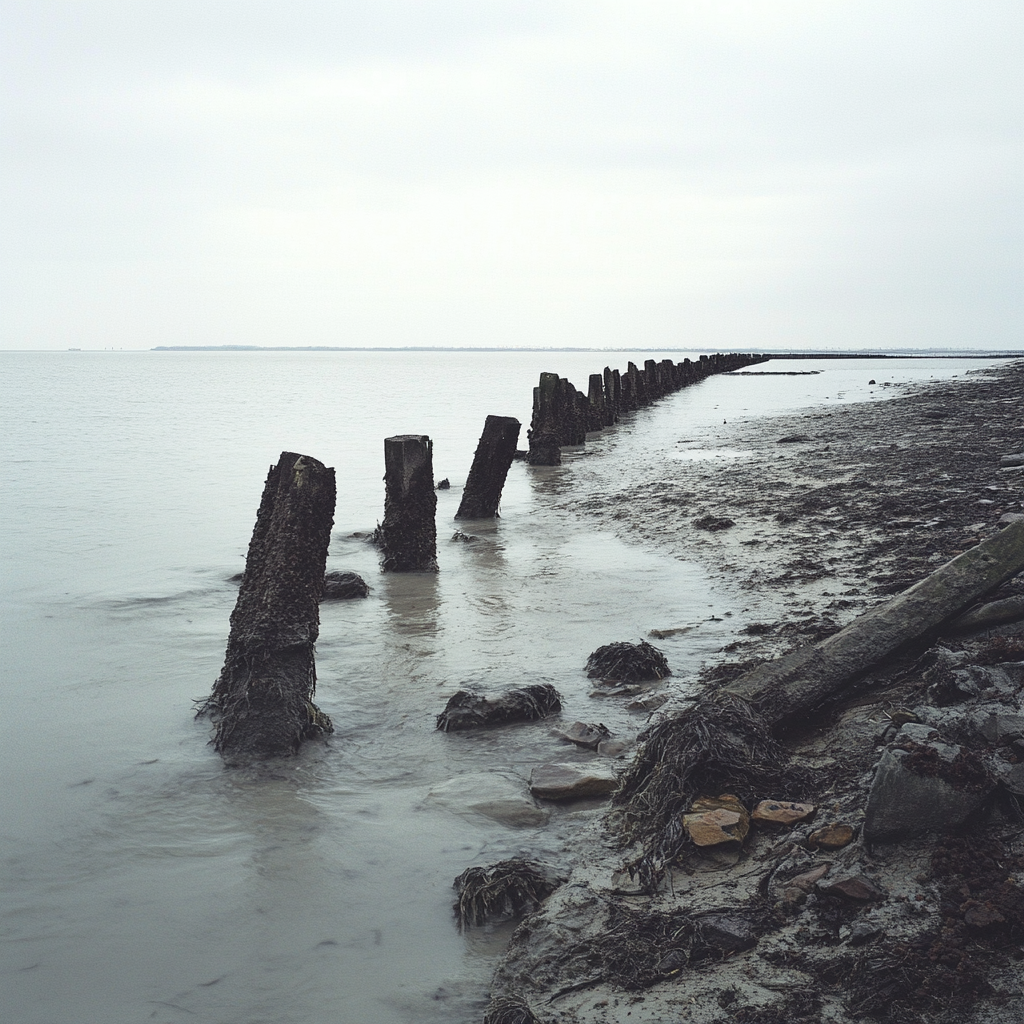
(141, 880)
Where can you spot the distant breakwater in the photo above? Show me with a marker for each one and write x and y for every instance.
(563, 415)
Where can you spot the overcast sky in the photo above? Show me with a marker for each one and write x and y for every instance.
(709, 174)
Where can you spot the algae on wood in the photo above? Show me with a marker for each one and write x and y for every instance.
(494, 454)
(261, 703)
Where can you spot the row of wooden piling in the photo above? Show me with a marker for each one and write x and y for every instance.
(562, 415)
(262, 702)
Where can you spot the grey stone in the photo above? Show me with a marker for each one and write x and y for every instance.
(493, 795)
(572, 781)
(727, 932)
(902, 803)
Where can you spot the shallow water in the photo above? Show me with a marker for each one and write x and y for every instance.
(141, 879)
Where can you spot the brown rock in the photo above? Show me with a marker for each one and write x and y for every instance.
(831, 837)
(715, 820)
(853, 887)
(805, 882)
(781, 812)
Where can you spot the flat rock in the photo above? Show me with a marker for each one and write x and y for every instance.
(727, 932)
(855, 887)
(715, 820)
(781, 812)
(806, 880)
(585, 735)
(831, 837)
(572, 781)
(494, 795)
(1012, 460)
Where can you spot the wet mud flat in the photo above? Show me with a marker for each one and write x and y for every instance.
(826, 511)
(871, 863)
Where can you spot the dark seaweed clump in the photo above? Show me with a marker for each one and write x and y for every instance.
(507, 889)
(720, 745)
(627, 663)
(468, 710)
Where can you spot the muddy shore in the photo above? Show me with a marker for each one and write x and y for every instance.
(831, 512)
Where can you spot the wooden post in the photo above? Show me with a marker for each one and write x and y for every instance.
(612, 396)
(261, 703)
(544, 433)
(598, 414)
(494, 454)
(408, 536)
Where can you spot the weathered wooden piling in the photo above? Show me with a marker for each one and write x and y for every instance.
(596, 417)
(261, 703)
(494, 454)
(612, 396)
(544, 433)
(407, 538)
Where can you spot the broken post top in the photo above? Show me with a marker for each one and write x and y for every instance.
(407, 456)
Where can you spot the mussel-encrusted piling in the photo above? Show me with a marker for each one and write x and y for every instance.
(494, 454)
(261, 703)
(544, 433)
(563, 416)
(407, 538)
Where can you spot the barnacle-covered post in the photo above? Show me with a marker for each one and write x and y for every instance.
(494, 454)
(544, 432)
(408, 536)
(261, 703)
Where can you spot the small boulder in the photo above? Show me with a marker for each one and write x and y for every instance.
(1012, 460)
(715, 820)
(807, 880)
(726, 932)
(781, 812)
(585, 735)
(856, 887)
(831, 837)
(342, 586)
(572, 781)
(931, 787)
(468, 710)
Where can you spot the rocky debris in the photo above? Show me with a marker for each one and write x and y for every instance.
(468, 710)
(781, 812)
(342, 586)
(504, 890)
(627, 663)
(571, 781)
(716, 820)
(589, 736)
(496, 795)
(465, 538)
(831, 837)
(854, 886)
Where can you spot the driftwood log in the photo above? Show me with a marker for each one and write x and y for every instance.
(407, 538)
(797, 684)
(261, 704)
(494, 454)
(728, 741)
